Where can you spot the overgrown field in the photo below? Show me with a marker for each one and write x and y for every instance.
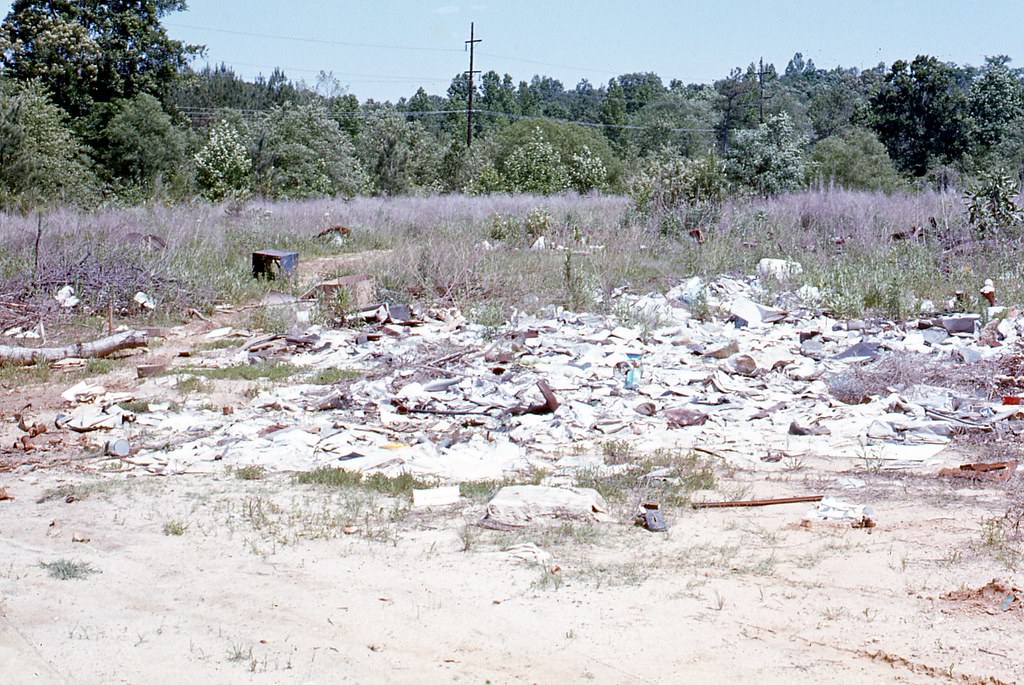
(870, 253)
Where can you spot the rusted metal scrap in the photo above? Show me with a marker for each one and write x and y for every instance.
(33, 429)
(997, 471)
(681, 417)
(548, 406)
(757, 502)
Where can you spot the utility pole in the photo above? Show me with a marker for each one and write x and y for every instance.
(471, 43)
(760, 83)
(761, 73)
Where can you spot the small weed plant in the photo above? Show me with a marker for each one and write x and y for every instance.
(65, 569)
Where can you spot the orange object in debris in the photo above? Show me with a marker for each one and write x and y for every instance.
(1012, 399)
(994, 471)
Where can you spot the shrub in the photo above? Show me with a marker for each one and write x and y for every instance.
(769, 159)
(991, 207)
(301, 152)
(399, 155)
(43, 162)
(586, 171)
(223, 164)
(547, 157)
(535, 167)
(141, 143)
(680, 193)
(854, 158)
(537, 222)
(504, 228)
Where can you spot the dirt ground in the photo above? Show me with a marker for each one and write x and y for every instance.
(259, 588)
(217, 579)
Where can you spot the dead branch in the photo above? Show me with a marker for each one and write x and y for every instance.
(11, 354)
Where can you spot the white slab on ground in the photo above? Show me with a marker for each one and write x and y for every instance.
(436, 497)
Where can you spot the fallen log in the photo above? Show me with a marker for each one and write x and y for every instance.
(11, 354)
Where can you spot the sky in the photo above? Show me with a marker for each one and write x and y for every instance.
(386, 49)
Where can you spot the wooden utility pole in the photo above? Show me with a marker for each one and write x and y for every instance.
(760, 83)
(761, 73)
(469, 120)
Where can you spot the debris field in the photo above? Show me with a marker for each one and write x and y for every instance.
(746, 377)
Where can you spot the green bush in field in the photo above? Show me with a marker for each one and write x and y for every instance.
(300, 151)
(141, 145)
(854, 158)
(43, 163)
(991, 204)
(223, 164)
(535, 167)
(768, 160)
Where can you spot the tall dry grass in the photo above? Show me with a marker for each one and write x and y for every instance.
(594, 245)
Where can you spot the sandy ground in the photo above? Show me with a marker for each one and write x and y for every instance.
(276, 582)
(265, 586)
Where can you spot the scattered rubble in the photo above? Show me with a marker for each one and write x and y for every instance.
(426, 392)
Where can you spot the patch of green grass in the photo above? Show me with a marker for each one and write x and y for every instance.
(482, 490)
(188, 385)
(135, 406)
(65, 569)
(224, 343)
(334, 375)
(80, 491)
(1003, 536)
(489, 315)
(617, 451)
(175, 527)
(269, 320)
(548, 578)
(271, 370)
(251, 472)
(394, 486)
(14, 375)
(328, 477)
(666, 476)
(402, 484)
(96, 367)
(239, 653)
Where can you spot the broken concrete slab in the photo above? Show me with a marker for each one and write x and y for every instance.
(517, 506)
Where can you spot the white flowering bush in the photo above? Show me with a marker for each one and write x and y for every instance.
(586, 171)
(535, 167)
(223, 165)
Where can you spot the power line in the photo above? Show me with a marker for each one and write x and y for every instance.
(380, 78)
(549, 64)
(211, 111)
(319, 41)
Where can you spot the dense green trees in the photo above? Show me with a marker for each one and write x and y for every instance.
(920, 114)
(299, 151)
(399, 155)
(98, 104)
(142, 146)
(90, 51)
(41, 162)
(853, 158)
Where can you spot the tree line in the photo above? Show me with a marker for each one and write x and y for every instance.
(99, 105)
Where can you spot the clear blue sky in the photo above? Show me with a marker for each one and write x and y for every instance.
(385, 49)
